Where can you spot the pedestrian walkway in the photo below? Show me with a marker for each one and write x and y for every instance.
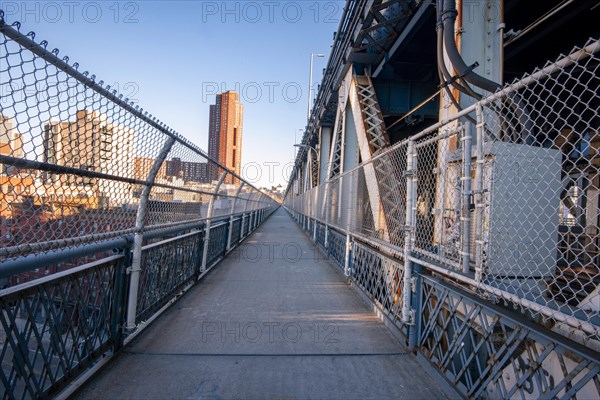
(273, 320)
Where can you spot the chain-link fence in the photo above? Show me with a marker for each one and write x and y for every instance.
(106, 216)
(81, 164)
(508, 206)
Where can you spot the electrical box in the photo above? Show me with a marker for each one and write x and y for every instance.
(519, 217)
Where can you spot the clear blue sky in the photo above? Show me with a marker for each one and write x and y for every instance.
(172, 56)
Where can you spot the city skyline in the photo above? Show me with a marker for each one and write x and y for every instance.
(218, 54)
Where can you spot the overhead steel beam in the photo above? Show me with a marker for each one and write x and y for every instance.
(406, 32)
(357, 19)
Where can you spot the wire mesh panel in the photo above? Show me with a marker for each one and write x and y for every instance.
(336, 246)
(438, 228)
(167, 266)
(68, 155)
(79, 163)
(52, 330)
(361, 215)
(321, 234)
(380, 277)
(390, 168)
(542, 144)
(486, 354)
(236, 231)
(218, 242)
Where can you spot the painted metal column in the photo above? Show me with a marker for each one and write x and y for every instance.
(479, 36)
(136, 259)
(307, 181)
(409, 231)
(349, 181)
(209, 220)
(336, 157)
(480, 32)
(237, 193)
(324, 150)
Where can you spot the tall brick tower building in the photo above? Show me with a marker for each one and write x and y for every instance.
(225, 133)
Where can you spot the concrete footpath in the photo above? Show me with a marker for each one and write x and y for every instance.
(272, 321)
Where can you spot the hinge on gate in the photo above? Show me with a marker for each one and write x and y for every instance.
(409, 173)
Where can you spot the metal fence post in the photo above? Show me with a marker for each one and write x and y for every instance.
(409, 231)
(119, 300)
(136, 259)
(248, 205)
(200, 254)
(480, 198)
(231, 216)
(211, 205)
(414, 330)
(348, 255)
(243, 225)
(466, 198)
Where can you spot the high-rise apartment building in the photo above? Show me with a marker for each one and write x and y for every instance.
(94, 144)
(225, 133)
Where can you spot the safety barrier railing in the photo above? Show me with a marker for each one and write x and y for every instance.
(505, 210)
(106, 216)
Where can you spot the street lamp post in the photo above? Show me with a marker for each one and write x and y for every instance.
(310, 83)
(296, 140)
(307, 146)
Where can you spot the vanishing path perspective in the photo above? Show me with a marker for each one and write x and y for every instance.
(266, 323)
